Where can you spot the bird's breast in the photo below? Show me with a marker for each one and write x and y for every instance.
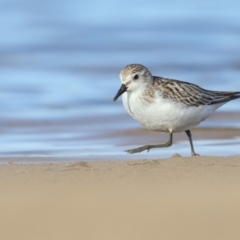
(146, 110)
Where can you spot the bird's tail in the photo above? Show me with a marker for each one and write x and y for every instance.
(222, 97)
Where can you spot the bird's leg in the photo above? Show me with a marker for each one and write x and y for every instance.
(148, 147)
(191, 143)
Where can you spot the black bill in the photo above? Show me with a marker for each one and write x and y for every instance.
(122, 89)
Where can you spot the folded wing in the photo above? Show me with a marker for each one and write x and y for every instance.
(191, 94)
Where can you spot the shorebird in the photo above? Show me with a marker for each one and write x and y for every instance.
(167, 105)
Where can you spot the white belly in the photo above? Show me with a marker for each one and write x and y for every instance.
(165, 115)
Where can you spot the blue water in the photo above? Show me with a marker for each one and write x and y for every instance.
(60, 61)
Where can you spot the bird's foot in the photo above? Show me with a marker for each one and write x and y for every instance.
(140, 149)
(195, 154)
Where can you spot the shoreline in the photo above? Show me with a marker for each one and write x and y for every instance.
(107, 136)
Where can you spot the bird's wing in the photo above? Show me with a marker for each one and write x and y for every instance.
(191, 94)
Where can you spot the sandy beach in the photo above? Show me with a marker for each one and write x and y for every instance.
(174, 198)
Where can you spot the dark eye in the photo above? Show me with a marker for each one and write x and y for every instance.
(135, 76)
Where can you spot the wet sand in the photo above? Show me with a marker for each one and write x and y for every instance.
(174, 198)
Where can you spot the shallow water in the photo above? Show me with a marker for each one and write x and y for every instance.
(60, 64)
